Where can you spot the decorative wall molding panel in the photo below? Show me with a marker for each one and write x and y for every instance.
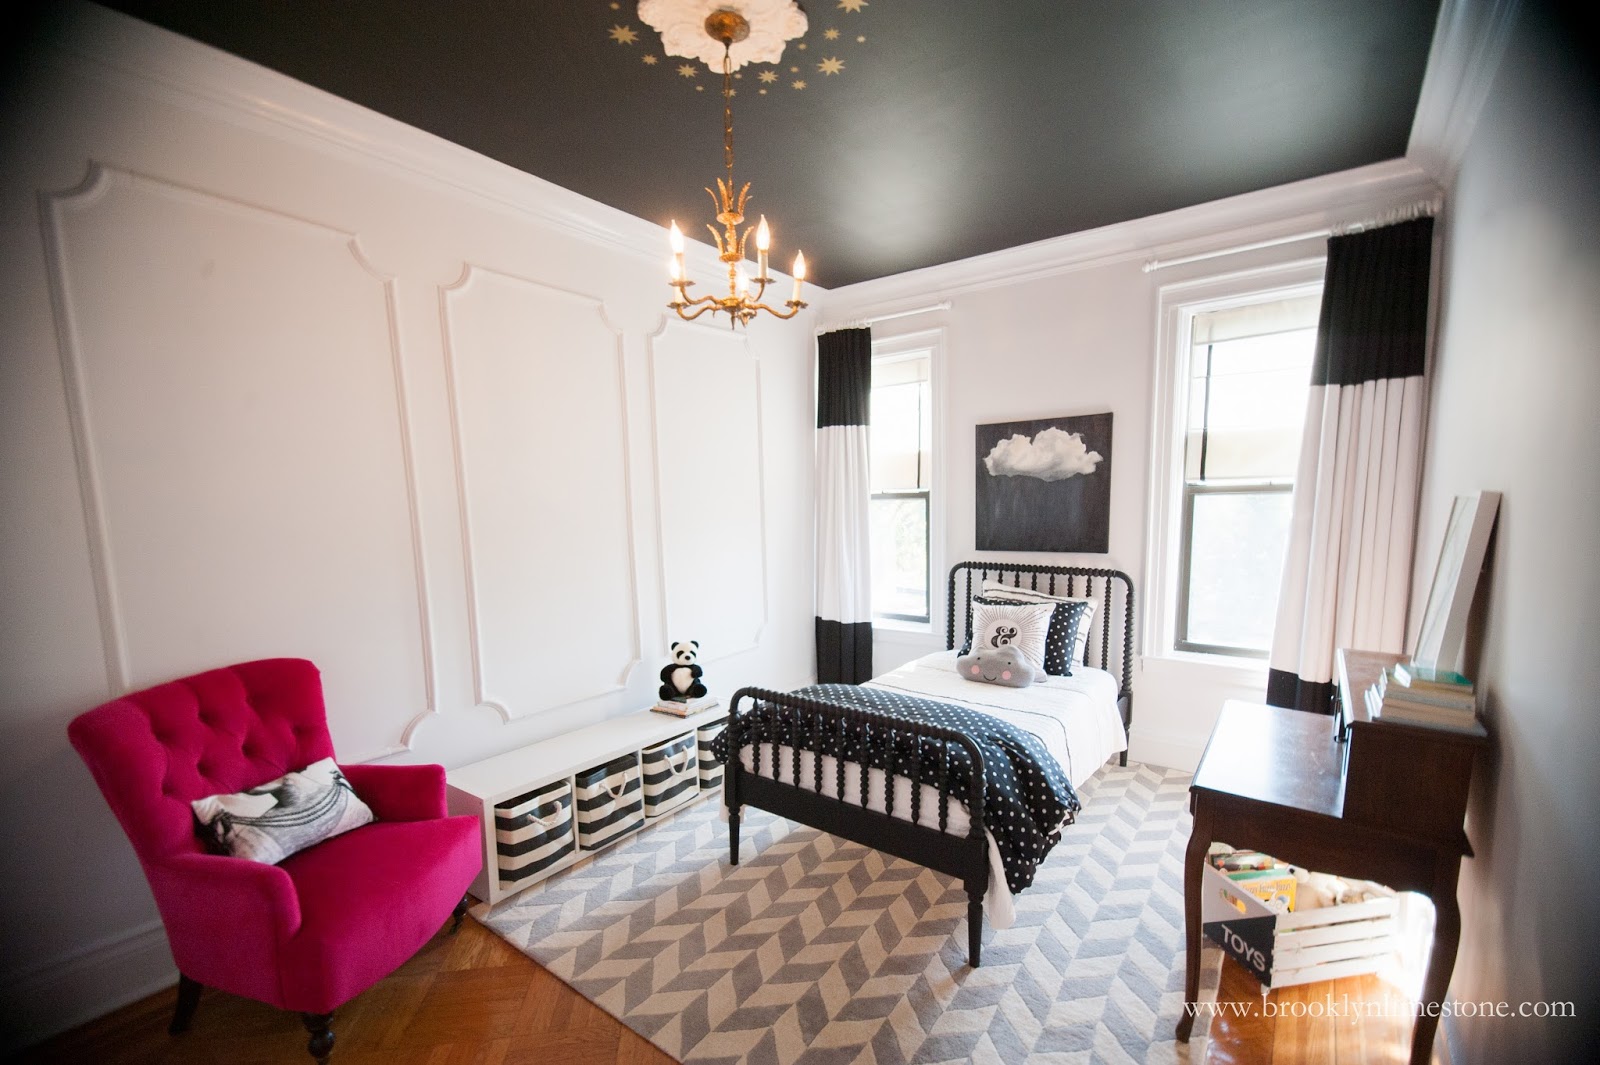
(711, 489)
(540, 424)
(180, 72)
(234, 381)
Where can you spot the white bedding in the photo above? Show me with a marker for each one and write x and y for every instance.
(1075, 716)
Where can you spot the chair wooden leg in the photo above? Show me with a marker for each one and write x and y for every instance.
(733, 837)
(188, 1000)
(321, 1043)
(458, 913)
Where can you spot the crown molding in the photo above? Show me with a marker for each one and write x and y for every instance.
(1319, 203)
(1468, 43)
(109, 46)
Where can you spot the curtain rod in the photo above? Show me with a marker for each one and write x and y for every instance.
(1400, 214)
(856, 323)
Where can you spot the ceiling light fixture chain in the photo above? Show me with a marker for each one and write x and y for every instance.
(739, 304)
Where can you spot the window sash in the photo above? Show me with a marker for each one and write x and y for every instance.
(1191, 491)
(925, 496)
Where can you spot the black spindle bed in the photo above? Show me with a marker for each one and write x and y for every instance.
(807, 722)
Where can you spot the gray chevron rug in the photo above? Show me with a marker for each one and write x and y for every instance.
(817, 951)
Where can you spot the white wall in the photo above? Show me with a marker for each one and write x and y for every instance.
(282, 377)
(1069, 326)
(1516, 378)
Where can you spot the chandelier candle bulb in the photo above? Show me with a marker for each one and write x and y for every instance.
(676, 240)
(763, 242)
(799, 274)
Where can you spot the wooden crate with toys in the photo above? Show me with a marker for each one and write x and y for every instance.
(1288, 926)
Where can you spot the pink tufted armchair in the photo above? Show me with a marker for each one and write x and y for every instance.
(314, 931)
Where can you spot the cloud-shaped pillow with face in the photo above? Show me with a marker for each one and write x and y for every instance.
(997, 665)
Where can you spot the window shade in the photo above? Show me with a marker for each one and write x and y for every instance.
(1257, 319)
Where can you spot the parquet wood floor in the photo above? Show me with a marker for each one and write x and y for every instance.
(472, 999)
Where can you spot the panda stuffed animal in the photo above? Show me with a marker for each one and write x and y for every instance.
(680, 678)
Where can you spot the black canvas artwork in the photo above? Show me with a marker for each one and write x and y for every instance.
(1045, 485)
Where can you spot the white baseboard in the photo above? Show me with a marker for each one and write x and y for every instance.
(1173, 752)
(90, 982)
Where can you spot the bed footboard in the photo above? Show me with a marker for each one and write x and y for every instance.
(794, 784)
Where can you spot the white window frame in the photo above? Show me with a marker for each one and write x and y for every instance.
(900, 345)
(1177, 305)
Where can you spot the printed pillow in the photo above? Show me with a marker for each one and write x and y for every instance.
(1001, 591)
(1025, 626)
(270, 822)
(1063, 632)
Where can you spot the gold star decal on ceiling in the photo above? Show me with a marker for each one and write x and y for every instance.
(649, 60)
(622, 34)
(831, 34)
(687, 70)
(799, 84)
(801, 46)
(852, 6)
(831, 66)
(768, 76)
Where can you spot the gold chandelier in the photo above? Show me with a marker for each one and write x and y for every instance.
(740, 304)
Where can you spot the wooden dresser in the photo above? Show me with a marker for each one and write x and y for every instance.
(1370, 800)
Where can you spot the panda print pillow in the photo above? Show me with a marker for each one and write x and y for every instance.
(1023, 626)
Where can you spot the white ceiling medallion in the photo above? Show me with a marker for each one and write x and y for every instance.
(682, 25)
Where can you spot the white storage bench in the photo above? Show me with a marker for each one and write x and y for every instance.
(533, 802)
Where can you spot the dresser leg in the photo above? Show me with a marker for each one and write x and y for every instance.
(1442, 960)
(1194, 862)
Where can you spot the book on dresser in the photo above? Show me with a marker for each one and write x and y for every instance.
(1412, 696)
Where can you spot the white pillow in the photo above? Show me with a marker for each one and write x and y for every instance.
(1001, 590)
(274, 820)
(1024, 626)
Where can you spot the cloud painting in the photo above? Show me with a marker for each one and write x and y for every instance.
(1053, 455)
(1045, 485)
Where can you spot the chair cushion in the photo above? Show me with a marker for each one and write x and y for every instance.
(368, 900)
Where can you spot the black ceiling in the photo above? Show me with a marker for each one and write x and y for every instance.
(954, 127)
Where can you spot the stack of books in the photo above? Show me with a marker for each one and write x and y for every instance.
(1419, 695)
(685, 707)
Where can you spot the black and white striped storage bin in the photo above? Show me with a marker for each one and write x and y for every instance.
(533, 832)
(609, 802)
(669, 774)
(710, 769)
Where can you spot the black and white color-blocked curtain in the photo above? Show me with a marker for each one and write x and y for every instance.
(844, 549)
(1347, 574)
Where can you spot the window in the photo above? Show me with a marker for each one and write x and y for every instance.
(1237, 369)
(902, 474)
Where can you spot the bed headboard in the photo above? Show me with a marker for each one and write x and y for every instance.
(1109, 588)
